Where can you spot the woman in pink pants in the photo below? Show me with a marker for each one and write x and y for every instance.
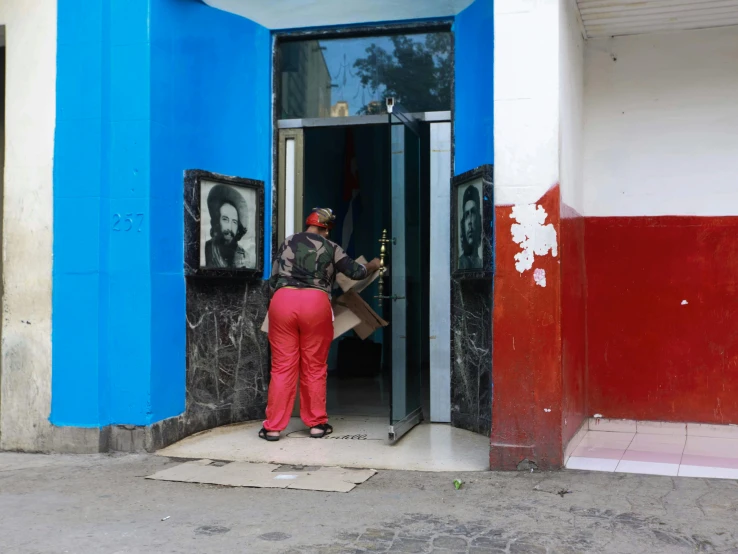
(301, 323)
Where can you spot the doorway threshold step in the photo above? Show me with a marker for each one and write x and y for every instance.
(357, 442)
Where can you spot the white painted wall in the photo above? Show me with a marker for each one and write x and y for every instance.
(661, 124)
(571, 105)
(27, 223)
(526, 99)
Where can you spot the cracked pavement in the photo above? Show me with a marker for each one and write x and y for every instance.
(103, 504)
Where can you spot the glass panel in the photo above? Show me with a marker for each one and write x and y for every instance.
(353, 76)
(406, 273)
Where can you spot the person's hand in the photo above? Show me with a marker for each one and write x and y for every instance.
(373, 266)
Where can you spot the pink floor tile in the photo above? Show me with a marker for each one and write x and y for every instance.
(647, 468)
(598, 452)
(574, 442)
(608, 439)
(652, 457)
(661, 428)
(603, 445)
(612, 425)
(716, 431)
(665, 449)
(709, 461)
(658, 443)
(708, 472)
(657, 453)
(708, 446)
(591, 464)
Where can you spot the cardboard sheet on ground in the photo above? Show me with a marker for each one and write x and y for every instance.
(243, 474)
(350, 311)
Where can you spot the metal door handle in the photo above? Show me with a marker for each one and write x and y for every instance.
(393, 297)
(382, 253)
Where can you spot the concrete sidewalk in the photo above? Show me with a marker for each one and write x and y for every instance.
(103, 504)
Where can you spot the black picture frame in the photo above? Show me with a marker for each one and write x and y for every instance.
(246, 196)
(479, 262)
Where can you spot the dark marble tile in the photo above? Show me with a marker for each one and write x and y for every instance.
(471, 347)
(227, 354)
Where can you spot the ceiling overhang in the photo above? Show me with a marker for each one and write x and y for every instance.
(608, 18)
(600, 18)
(297, 14)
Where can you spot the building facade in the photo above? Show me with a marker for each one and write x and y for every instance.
(613, 204)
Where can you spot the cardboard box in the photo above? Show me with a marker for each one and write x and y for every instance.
(350, 311)
(369, 321)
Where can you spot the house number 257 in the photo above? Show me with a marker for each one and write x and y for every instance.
(127, 222)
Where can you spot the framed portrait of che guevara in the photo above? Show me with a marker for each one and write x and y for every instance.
(472, 211)
(224, 230)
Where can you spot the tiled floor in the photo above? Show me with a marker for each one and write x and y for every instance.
(357, 442)
(650, 448)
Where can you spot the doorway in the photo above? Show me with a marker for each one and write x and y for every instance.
(364, 395)
(383, 174)
(346, 168)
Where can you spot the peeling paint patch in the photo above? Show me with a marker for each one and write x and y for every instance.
(539, 276)
(535, 238)
(684, 302)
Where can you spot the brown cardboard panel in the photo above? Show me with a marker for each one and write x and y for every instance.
(347, 284)
(344, 320)
(356, 304)
(260, 475)
(364, 331)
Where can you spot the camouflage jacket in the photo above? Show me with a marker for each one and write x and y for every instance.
(306, 260)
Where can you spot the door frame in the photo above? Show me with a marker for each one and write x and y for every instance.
(440, 338)
(441, 161)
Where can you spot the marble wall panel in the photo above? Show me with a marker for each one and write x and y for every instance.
(471, 347)
(227, 354)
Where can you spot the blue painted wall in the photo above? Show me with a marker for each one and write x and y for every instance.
(474, 97)
(145, 90)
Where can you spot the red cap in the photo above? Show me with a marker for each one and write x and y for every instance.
(321, 217)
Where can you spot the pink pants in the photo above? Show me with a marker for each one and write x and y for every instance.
(300, 334)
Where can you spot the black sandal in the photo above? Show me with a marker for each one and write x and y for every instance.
(263, 435)
(326, 428)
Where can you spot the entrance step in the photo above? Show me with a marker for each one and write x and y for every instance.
(356, 442)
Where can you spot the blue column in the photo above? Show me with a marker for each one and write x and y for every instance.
(101, 330)
(145, 90)
(474, 99)
(78, 173)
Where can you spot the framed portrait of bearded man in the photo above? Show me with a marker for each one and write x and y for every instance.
(224, 232)
(472, 224)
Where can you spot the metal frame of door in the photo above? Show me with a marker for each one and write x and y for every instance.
(405, 304)
(290, 192)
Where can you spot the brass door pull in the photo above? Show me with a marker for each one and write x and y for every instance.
(384, 241)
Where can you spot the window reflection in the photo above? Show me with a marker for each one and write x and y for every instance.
(353, 76)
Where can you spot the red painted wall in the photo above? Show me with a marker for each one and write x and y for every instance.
(649, 356)
(573, 322)
(527, 352)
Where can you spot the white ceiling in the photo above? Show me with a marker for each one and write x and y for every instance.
(601, 18)
(605, 18)
(295, 14)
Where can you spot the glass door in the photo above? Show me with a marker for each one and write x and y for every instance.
(404, 301)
